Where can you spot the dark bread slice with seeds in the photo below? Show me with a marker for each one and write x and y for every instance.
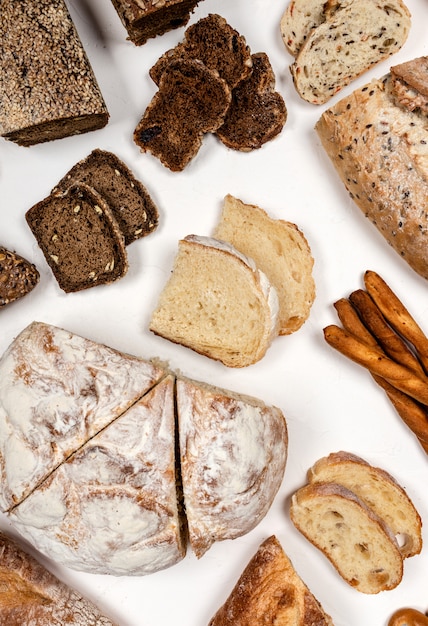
(79, 237)
(191, 100)
(214, 42)
(128, 199)
(257, 112)
(17, 276)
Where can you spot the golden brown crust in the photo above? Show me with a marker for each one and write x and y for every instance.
(408, 617)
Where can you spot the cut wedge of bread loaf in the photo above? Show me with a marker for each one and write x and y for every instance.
(358, 543)
(269, 591)
(379, 490)
(17, 276)
(355, 36)
(218, 303)
(280, 250)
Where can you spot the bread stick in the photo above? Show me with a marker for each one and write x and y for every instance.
(397, 314)
(352, 323)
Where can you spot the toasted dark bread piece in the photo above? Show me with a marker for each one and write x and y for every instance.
(17, 276)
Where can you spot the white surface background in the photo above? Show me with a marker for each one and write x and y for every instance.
(330, 403)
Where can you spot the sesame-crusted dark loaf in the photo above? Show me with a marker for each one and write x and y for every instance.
(355, 36)
(257, 113)
(79, 237)
(17, 276)
(128, 199)
(380, 151)
(191, 100)
(47, 86)
(145, 19)
(214, 42)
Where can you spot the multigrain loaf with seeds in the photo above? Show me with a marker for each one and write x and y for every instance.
(17, 276)
(298, 20)
(379, 149)
(128, 199)
(47, 86)
(147, 19)
(79, 237)
(355, 36)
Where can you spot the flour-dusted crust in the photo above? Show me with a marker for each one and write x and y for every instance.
(380, 151)
(57, 390)
(31, 595)
(233, 452)
(112, 508)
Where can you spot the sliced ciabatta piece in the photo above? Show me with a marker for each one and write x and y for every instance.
(353, 38)
(298, 20)
(285, 600)
(379, 490)
(17, 276)
(357, 542)
(380, 152)
(30, 594)
(218, 303)
(233, 452)
(280, 250)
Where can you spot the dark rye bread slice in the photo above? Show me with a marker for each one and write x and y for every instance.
(145, 20)
(17, 276)
(128, 199)
(214, 42)
(191, 100)
(257, 113)
(47, 86)
(79, 237)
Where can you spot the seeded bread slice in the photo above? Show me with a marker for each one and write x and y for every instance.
(191, 100)
(298, 20)
(353, 38)
(217, 303)
(257, 112)
(379, 490)
(17, 276)
(128, 199)
(358, 543)
(79, 237)
(214, 42)
(280, 250)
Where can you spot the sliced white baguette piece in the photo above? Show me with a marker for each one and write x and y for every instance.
(218, 303)
(280, 250)
(233, 452)
(379, 490)
(353, 38)
(298, 20)
(357, 542)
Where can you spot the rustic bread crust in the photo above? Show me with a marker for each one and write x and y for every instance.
(17, 276)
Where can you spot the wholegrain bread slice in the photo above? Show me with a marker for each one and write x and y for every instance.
(17, 276)
(128, 199)
(379, 490)
(280, 250)
(269, 591)
(218, 303)
(298, 20)
(353, 38)
(357, 542)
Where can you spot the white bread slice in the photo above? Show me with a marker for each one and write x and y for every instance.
(357, 542)
(31, 595)
(356, 36)
(379, 490)
(285, 601)
(298, 20)
(280, 250)
(218, 303)
(233, 452)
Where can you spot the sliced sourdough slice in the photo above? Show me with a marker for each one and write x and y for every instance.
(128, 199)
(257, 112)
(191, 100)
(79, 237)
(357, 542)
(115, 499)
(285, 600)
(217, 303)
(57, 390)
(31, 594)
(379, 490)
(280, 250)
(233, 452)
(298, 20)
(17, 276)
(354, 38)
(214, 42)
